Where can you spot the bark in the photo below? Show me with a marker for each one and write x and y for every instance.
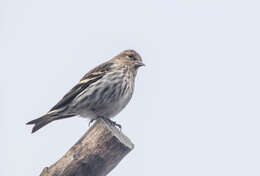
(100, 149)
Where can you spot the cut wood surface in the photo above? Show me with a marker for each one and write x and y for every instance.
(99, 150)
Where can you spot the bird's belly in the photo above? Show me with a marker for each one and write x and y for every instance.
(107, 110)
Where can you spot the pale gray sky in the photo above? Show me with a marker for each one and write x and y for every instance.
(195, 110)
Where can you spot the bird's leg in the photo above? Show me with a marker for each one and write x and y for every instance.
(92, 120)
(109, 121)
(114, 124)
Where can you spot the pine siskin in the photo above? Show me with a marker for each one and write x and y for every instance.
(102, 93)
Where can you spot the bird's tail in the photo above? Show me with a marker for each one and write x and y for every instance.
(48, 118)
(40, 122)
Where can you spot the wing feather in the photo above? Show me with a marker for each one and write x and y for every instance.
(91, 77)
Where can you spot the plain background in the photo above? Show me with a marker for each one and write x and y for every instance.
(195, 110)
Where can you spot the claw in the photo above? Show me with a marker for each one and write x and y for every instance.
(107, 120)
(114, 124)
(91, 121)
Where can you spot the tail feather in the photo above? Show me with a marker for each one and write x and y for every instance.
(40, 122)
(46, 119)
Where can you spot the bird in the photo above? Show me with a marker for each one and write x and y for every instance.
(102, 92)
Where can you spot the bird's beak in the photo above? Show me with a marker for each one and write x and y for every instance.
(139, 64)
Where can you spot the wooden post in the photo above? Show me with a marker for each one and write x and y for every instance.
(100, 149)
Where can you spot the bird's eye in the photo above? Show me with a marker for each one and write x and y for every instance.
(132, 56)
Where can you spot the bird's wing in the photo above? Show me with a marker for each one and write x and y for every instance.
(90, 78)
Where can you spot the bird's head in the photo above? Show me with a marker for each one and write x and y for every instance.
(130, 58)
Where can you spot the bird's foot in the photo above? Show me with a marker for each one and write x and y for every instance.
(107, 120)
(115, 124)
(91, 121)
(112, 122)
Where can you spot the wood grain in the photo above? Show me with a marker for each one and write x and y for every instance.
(99, 150)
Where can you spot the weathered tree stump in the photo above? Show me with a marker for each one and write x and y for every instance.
(100, 149)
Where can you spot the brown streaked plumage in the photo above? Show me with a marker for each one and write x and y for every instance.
(102, 93)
